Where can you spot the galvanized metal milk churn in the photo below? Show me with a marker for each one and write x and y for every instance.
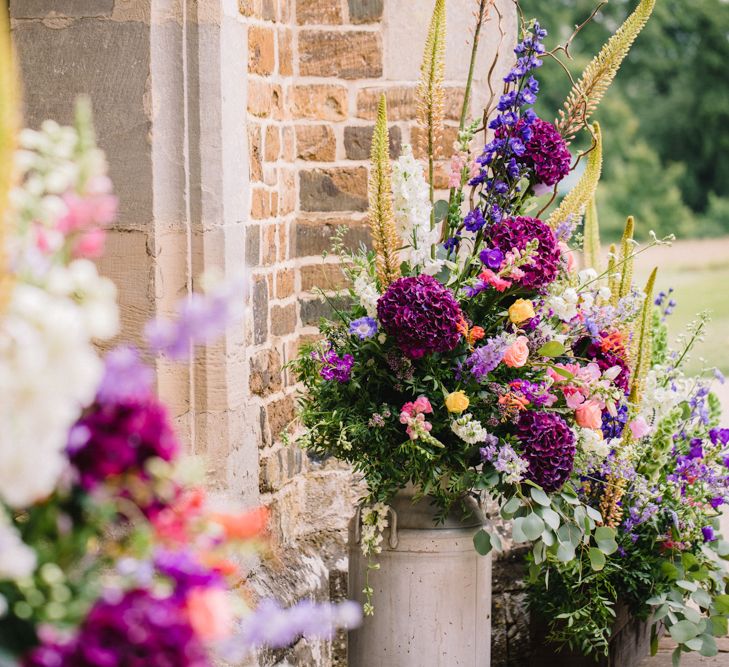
(432, 593)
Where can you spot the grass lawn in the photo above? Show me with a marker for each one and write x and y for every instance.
(699, 273)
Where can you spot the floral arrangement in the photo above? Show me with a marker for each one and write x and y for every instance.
(109, 552)
(478, 358)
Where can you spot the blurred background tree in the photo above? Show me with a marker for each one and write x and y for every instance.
(665, 119)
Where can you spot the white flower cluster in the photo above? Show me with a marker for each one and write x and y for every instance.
(469, 429)
(592, 442)
(17, 560)
(411, 196)
(366, 292)
(660, 397)
(49, 368)
(374, 522)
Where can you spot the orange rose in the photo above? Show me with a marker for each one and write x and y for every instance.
(517, 353)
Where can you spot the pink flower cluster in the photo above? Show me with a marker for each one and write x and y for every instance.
(413, 414)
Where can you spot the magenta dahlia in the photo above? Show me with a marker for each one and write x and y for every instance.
(516, 233)
(546, 153)
(548, 447)
(421, 314)
(113, 438)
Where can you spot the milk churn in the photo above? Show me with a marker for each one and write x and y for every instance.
(432, 593)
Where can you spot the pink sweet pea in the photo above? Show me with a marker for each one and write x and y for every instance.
(569, 257)
(639, 428)
(490, 278)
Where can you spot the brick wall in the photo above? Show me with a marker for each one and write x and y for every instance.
(316, 71)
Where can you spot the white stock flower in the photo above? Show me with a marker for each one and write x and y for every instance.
(565, 305)
(17, 559)
(468, 429)
(367, 293)
(592, 442)
(411, 197)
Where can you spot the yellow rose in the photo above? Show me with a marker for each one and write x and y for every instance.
(521, 310)
(457, 401)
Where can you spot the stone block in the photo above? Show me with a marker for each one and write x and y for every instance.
(345, 55)
(285, 52)
(110, 62)
(334, 189)
(324, 276)
(318, 12)
(365, 11)
(265, 372)
(280, 415)
(402, 102)
(285, 283)
(265, 99)
(319, 101)
(253, 245)
(314, 237)
(316, 143)
(358, 142)
(35, 9)
(255, 152)
(273, 143)
(283, 320)
(261, 50)
(260, 310)
(260, 204)
(312, 310)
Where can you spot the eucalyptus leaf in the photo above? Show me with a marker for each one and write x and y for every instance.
(708, 646)
(510, 508)
(702, 598)
(683, 631)
(482, 542)
(540, 497)
(593, 514)
(440, 208)
(597, 559)
(687, 585)
(548, 538)
(517, 531)
(694, 644)
(533, 526)
(565, 553)
(551, 518)
(605, 540)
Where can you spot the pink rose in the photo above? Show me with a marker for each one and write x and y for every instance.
(209, 613)
(517, 353)
(589, 415)
(422, 404)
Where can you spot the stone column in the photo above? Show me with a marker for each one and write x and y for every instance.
(167, 80)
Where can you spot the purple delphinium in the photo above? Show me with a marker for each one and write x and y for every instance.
(135, 628)
(363, 328)
(548, 447)
(486, 358)
(612, 427)
(201, 318)
(492, 258)
(708, 533)
(185, 570)
(334, 367)
(474, 220)
(421, 315)
(273, 626)
(516, 233)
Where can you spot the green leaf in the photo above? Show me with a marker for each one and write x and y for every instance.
(540, 552)
(565, 552)
(510, 508)
(517, 531)
(708, 646)
(551, 349)
(597, 559)
(694, 644)
(683, 631)
(719, 626)
(533, 526)
(440, 208)
(605, 540)
(676, 658)
(540, 497)
(548, 538)
(721, 604)
(562, 371)
(702, 598)
(482, 542)
(687, 585)
(654, 641)
(551, 518)
(593, 514)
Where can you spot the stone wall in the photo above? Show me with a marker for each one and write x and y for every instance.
(238, 133)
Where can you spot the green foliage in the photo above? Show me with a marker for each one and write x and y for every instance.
(659, 448)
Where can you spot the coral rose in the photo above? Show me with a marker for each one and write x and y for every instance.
(589, 415)
(517, 353)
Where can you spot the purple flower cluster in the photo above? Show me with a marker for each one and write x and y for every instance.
(546, 153)
(125, 377)
(606, 359)
(363, 328)
(613, 427)
(516, 233)
(134, 630)
(114, 438)
(487, 357)
(504, 161)
(186, 571)
(334, 367)
(421, 315)
(548, 447)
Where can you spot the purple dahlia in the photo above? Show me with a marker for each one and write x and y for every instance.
(137, 630)
(421, 314)
(546, 153)
(113, 438)
(548, 447)
(516, 233)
